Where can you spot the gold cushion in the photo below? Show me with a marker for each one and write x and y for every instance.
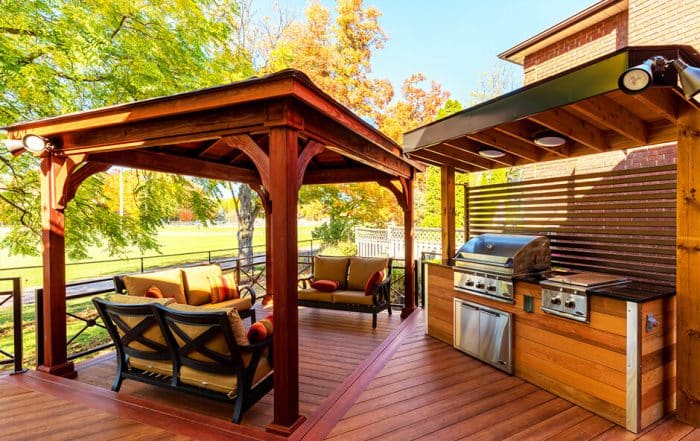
(196, 283)
(223, 383)
(168, 281)
(361, 268)
(218, 343)
(153, 332)
(240, 304)
(155, 366)
(314, 295)
(352, 297)
(331, 268)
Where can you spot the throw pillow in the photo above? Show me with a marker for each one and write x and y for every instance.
(260, 330)
(154, 293)
(325, 285)
(237, 327)
(373, 281)
(223, 288)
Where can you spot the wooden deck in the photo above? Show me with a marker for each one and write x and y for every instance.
(355, 386)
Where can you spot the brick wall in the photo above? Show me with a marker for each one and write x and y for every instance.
(600, 39)
(660, 22)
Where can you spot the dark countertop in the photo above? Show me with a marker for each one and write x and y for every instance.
(637, 292)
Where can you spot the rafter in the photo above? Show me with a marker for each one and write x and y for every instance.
(662, 100)
(341, 175)
(508, 144)
(519, 130)
(573, 127)
(165, 163)
(457, 155)
(472, 148)
(435, 158)
(608, 113)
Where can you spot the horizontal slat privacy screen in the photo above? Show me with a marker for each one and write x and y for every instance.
(621, 222)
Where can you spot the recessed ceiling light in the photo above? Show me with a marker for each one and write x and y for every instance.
(549, 139)
(491, 153)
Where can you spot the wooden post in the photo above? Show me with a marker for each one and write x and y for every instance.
(54, 260)
(688, 262)
(283, 206)
(447, 203)
(410, 268)
(466, 212)
(268, 253)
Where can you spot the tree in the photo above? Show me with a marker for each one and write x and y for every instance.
(59, 57)
(247, 206)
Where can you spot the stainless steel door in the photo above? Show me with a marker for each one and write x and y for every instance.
(466, 327)
(494, 344)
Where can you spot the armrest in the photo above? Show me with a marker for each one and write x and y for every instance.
(382, 289)
(247, 290)
(305, 280)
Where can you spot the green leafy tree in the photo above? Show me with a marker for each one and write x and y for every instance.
(64, 56)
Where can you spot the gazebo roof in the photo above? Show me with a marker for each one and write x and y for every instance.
(584, 104)
(202, 133)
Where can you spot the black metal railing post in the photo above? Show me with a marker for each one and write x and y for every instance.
(39, 314)
(17, 356)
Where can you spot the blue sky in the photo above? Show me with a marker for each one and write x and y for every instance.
(450, 41)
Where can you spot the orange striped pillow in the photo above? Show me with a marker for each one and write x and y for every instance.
(223, 288)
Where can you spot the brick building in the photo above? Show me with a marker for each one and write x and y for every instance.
(601, 29)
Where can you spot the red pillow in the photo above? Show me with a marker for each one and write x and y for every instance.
(154, 292)
(325, 285)
(373, 281)
(260, 330)
(223, 288)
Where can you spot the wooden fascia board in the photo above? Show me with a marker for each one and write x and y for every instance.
(345, 175)
(166, 163)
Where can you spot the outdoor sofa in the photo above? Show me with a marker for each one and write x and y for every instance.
(189, 349)
(362, 284)
(189, 285)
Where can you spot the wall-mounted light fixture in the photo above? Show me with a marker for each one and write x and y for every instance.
(637, 78)
(32, 143)
(549, 139)
(491, 153)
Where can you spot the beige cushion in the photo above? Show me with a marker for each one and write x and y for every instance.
(240, 304)
(153, 332)
(218, 343)
(314, 295)
(361, 268)
(155, 366)
(133, 300)
(331, 268)
(196, 283)
(223, 383)
(168, 281)
(352, 297)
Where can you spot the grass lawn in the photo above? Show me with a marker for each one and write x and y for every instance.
(174, 239)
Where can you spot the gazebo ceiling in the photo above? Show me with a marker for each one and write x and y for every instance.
(215, 132)
(583, 104)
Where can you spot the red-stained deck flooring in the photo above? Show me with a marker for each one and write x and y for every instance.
(356, 384)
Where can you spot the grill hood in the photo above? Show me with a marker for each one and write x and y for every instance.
(512, 253)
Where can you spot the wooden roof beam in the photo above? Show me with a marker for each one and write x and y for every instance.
(606, 112)
(165, 163)
(472, 148)
(508, 144)
(455, 158)
(343, 175)
(573, 127)
(519, 130)
(662, 100)
(439, 160)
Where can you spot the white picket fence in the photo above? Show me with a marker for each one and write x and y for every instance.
(390, 241)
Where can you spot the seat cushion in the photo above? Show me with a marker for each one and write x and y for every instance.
(155, 366)
(224, 383)
(331, 268)
(168, 281)
(362, 268)
(352, 298)
(196, 282)
(315, 295)
(240, 304)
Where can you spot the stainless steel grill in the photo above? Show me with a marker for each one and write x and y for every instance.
(487, 264)
(566, 295)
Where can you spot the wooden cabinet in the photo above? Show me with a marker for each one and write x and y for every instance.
(614, 365)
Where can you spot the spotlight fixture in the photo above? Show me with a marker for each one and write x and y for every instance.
(32, 143)
(491, 153)
(637, 78)
(549, 138)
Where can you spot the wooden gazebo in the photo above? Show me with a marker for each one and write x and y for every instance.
(274, 133)
(586, 106)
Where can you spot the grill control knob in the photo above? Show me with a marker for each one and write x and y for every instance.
(470, 283)
(491, 288)
(555, 301)
(480, 285)
(570, 303)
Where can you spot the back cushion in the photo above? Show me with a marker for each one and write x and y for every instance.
(168, 281)
(196, 282)
(152, 332)
(331, 268)
(362, 268)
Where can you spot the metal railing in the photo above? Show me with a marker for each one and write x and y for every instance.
(17, 356)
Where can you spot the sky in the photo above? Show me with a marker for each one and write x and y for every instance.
(450, 41)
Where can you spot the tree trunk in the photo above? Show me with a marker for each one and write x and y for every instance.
(247, 209)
